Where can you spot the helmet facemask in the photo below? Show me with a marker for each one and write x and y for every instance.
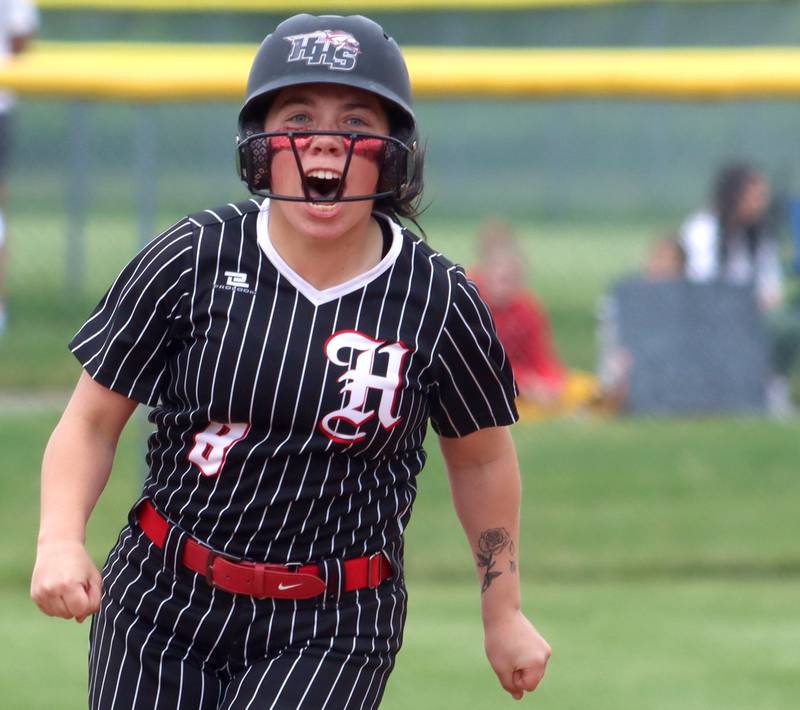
(394, 158)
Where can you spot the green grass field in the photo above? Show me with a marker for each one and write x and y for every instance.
(658, 558)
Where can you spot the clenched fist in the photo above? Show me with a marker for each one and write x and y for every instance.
(517, 653)
(66, 581)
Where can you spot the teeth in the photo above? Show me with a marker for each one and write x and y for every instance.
(323, 174)
(325, 206)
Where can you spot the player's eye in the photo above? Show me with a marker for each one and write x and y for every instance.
(298, 119)
(356, 121)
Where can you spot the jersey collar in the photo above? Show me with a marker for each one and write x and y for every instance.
(314, 295)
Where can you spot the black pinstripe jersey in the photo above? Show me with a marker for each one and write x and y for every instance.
(290, 421)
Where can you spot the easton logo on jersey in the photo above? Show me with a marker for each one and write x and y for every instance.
(334, 49)
(360, 379)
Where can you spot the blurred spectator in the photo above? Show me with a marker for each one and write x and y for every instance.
(521, 321)
(731, 240)
(664, 261)
(18, 23)
(523, 326)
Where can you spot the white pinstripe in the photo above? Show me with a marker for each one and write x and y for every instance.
(324, 655)
(252, 404)
(289, 510)
(485, 354)
(247, 323)
(174, 633)
(435, 345)
(330, 504)
(95, 654)
(352, 651)
(347, 449)
(216, 366)
(114, 631)
(349, 507)
(263, 677)
(127, 635)
(195, 404)
(199, 370)
(219, 635)
(172, 318)
(458, 392)
(377, 632)
(412, 422)
(208, 327)
(483, 315)
(152, 631)
(277, 449)
(305, 444)
(326, 370)
(400, 436)
(242, 680)
(404, 375)
(272, 418)
(389, 661)
(327, 512)
(465, 363)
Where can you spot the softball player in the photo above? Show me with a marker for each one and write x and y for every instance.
(293, 348)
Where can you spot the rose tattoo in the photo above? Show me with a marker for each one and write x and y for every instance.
(491, 543)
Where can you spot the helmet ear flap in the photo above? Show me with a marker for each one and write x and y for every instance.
(398, 168)
(410, 166)
(253, 161)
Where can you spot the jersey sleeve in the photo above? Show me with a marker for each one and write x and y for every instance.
(475, 386)
(125, 343)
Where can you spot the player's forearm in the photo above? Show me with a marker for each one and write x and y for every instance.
(486, 496)
(75, 469)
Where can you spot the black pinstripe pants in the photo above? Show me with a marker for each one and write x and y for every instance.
(164, 638)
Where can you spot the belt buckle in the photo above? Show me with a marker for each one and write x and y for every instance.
(214, 555)
(374, 569)
(260, 569)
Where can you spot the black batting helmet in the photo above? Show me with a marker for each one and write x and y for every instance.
(351, 51)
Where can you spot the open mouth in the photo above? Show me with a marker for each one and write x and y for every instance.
(323, 184)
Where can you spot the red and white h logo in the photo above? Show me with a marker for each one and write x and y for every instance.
(360, 379)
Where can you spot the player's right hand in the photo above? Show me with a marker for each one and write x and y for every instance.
(66, 581)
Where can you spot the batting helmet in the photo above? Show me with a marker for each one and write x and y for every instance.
(351, 51)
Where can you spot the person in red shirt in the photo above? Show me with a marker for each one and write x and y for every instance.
(521, 321)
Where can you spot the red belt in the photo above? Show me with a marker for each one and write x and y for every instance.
(261, 579)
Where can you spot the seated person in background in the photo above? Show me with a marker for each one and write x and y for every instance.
(731, 240)
(522, 324)
(664, 261)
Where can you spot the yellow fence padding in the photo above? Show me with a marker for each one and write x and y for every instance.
(169, 72)
(336, 6)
